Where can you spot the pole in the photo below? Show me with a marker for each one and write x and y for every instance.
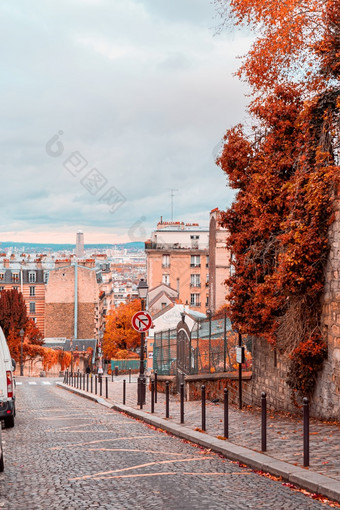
(106, 387)
(22, 353)
(182, 402)
(264, 421)
(209, 341)
(240, 374)
(152, 396)
(141, 386)
(124, 392)
(305, 432)
(226, 417)
(203, 407)
(225, 343)
(155, 386)
(167, 399)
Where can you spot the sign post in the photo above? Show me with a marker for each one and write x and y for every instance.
(141, 322)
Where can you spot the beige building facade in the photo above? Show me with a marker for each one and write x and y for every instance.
(219, 262)
(73, 302)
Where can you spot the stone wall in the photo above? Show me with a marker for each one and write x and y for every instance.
(269, 375)
(270, 368)
(327, 393)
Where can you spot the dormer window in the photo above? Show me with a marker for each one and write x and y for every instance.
(32, 277)
(15, 277)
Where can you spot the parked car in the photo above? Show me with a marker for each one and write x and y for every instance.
(7, 386)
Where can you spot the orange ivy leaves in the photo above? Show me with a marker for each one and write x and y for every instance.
(279, 220)
(298, 41)
(120, 338)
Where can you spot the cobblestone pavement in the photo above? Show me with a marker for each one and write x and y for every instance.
(70, 453)
(284, 433)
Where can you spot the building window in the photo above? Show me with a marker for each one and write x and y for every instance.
(166, 279)
(166, 261)
(46, 277)
(195, 261)
(32, 277)
(163, 305)
(32, 291)
(16, 288)
(207, 263)
(194, 241)
(2, 276)
(195, 280)
(207, 301)
(1, 288)
(34, 319)
(195, 300)
(32, 307)
(15, 277)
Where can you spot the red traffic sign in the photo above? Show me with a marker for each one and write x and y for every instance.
(141, 321)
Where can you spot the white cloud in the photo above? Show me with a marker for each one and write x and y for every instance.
(142, 89)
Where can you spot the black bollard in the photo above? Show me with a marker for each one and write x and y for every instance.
(167, 399)
(91, 383)
(226, 413)
(87, 382)
(264, 421)
(305, 432)
(100, 385)
(152, 396)
(95, 384)
(106, 387)
(129, 375)
(124, 392)
(155, 386)
(203, 407)
(182, 402)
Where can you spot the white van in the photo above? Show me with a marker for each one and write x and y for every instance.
(7, 396)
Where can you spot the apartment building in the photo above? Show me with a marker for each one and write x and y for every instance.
(188, 264)
(74, 300)
(178, 256)
(29, 279)
(219, 261)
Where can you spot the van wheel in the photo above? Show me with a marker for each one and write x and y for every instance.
(9, 422)
(2, 466)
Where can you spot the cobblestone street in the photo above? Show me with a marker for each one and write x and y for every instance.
(66, 452)
(284, 437)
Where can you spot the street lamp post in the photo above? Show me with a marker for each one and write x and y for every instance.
(22, 332)
(142, 293)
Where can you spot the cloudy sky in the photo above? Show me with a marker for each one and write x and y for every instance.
(107, 106)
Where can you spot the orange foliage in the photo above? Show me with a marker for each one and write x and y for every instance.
(286, 172)
(297, 41)
(120, 338)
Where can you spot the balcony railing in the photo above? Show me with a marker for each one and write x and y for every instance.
(195, 284)
(195, 304)
(175, 246)
(195, 265)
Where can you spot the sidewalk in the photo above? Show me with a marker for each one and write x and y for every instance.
(284, 455)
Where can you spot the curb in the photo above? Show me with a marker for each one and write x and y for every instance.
(301, 477)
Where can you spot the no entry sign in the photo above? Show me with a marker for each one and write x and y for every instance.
(141, 321)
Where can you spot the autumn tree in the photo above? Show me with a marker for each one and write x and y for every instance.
(120, 339)
(285, 170)
(13, 314)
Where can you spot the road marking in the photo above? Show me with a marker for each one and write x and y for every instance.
(99, 441)
(157, 452)
(18, 383)
(97, 476)
(32, 382)
(47, 383)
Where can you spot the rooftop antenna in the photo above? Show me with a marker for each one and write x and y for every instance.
(172, 194)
